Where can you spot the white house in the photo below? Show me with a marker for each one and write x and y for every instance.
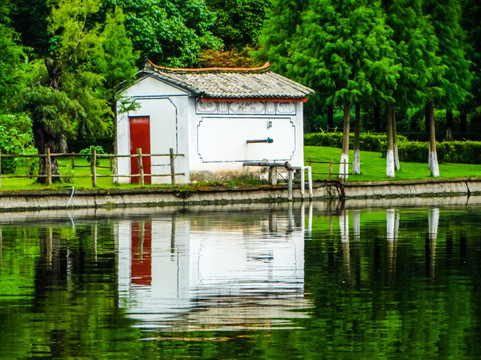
(178, 270)
(216, 118)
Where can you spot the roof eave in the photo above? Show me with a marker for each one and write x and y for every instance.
(239, 99)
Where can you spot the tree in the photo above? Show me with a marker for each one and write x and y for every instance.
(168, 32)
(472, 26)
(11, 60)
(239, 22)
(346, 49)
(279, 33)
(67, 94)
(456, 80)
(415, 50)
(30, 20)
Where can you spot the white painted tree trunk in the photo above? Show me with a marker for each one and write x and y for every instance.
(344, 226)
(356, 165)
(433, 223)
(392, 224)
(392, 230)
(390, 163)
(433, 163)
(356, 225)
(390, 173)
(396, 158)
(344, 166)
(390, 220)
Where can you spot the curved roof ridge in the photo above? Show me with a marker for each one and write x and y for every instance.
(264, 68)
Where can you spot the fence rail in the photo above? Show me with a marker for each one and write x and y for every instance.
(340, 175)
(93, 157)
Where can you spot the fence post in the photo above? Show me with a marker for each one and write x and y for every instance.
(73, 160)
(0, 168)
(140, 165)
(172, 166)
(48, 165)
(330, 169)
(309, 161)
(93, 167)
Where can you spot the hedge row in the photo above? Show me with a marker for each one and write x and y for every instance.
(367, 141)
(468, 152)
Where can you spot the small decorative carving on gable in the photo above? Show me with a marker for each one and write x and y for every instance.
(248, 107)
(206, 107)
(286, 108)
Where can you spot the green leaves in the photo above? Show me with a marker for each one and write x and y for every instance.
(11, 61)
(169, 32)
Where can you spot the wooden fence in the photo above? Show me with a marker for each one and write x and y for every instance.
(330, 173)
(94, 157)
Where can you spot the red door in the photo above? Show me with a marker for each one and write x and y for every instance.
(140, 138)
(141, 267)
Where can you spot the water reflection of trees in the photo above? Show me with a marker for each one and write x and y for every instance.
(405, 283)
(355, 241)
(372, 279)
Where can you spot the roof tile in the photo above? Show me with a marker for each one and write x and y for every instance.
(229, 83)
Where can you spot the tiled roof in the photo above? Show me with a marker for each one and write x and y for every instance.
(231, 83)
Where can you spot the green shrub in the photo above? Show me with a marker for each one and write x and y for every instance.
(16, 138)
(467, 152)
(367, 141)
(88, 151)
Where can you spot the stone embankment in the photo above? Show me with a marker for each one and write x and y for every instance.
(183, 196)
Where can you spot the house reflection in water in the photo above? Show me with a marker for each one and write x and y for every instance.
(230, 270)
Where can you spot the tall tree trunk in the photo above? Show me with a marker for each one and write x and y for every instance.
(463, 120)
(330, 118)
(397, 166)
(344, 167)
(356, 165)
(377, 118)
(115, 162)
(426, 119)
(433, 156)
(390, 142)
(449, 125)
(44, 138)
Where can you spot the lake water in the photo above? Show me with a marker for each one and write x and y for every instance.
(365, 280)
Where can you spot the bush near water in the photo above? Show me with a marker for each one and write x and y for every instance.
(468, 152)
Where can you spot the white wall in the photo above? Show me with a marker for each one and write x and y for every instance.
(218, 134)
(166, 106)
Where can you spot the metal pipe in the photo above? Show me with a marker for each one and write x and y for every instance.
(268, 140)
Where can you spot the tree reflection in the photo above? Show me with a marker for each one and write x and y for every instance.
(433, 223)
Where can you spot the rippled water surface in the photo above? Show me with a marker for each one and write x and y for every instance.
(312, 281)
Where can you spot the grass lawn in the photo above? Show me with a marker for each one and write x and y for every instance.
(82, 168)
(373, 166)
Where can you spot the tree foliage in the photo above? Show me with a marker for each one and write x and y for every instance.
(11, 60)
(168, 32)
(70, 90)
(238, 22)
